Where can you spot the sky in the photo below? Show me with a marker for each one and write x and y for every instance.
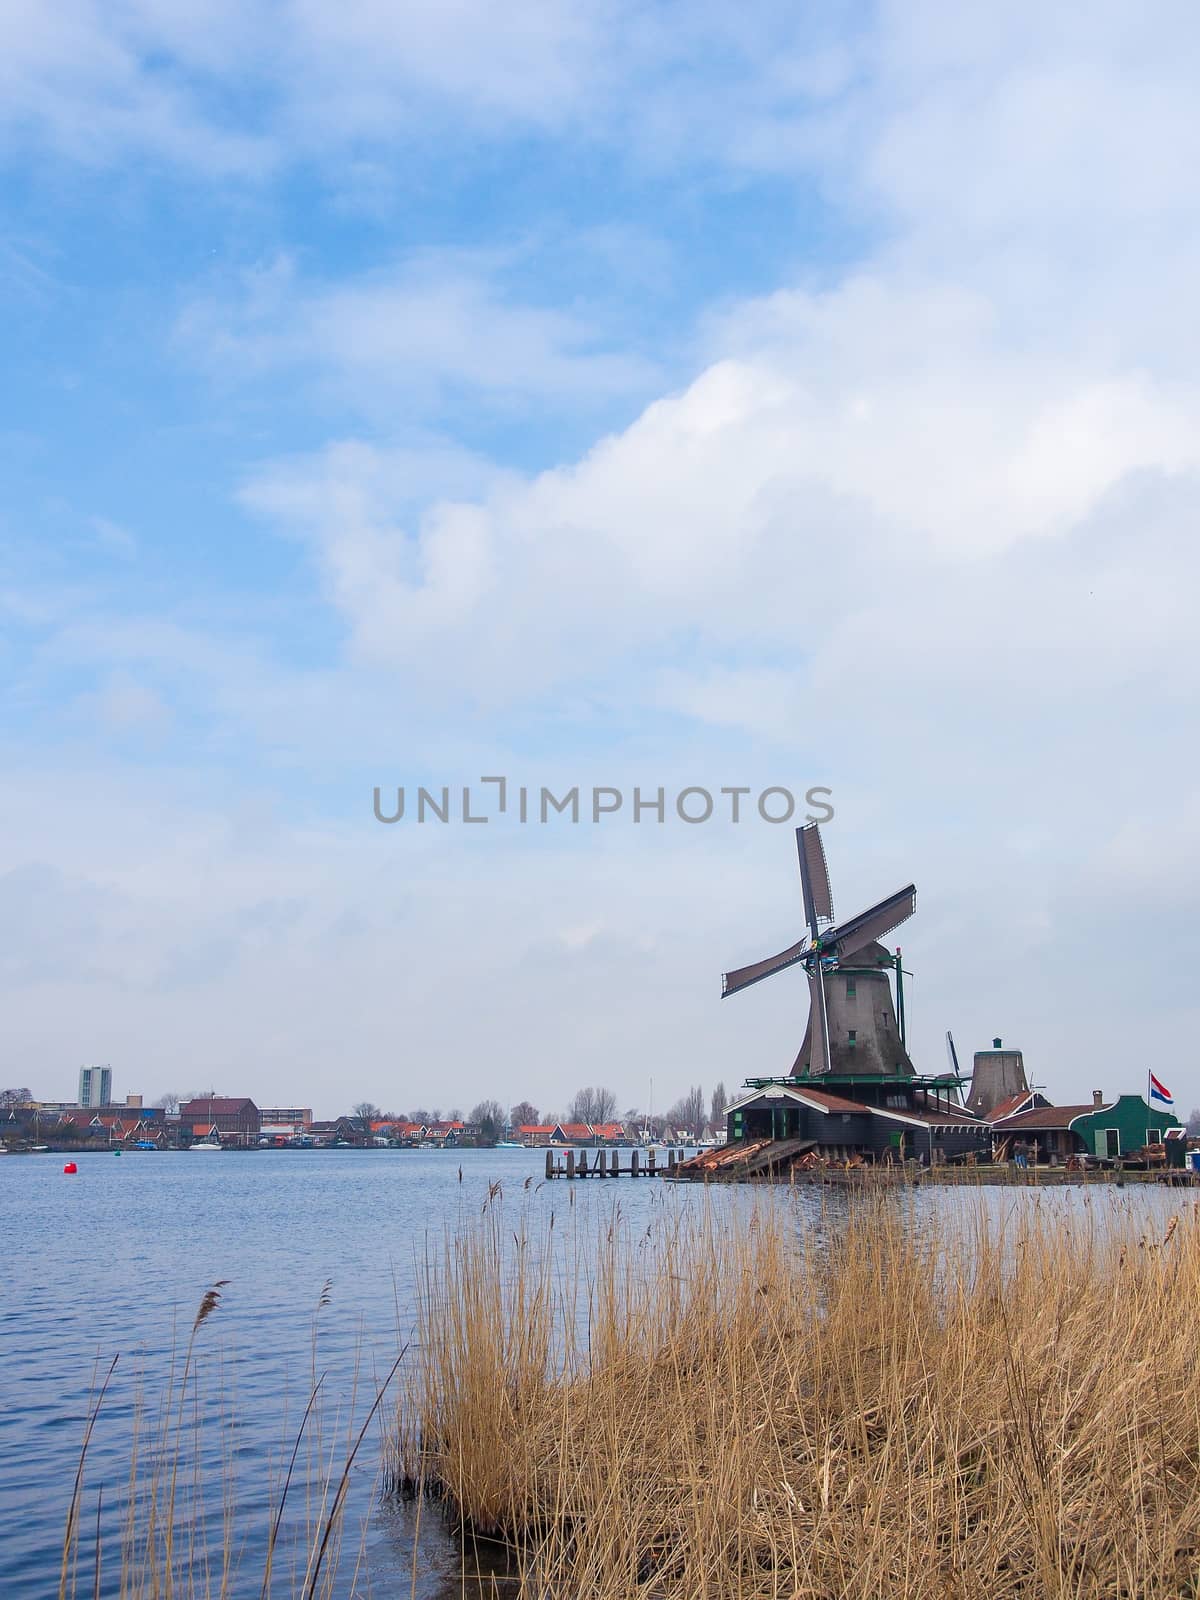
(601, 395)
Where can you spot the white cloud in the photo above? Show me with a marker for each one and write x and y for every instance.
(97, 82)
(427, 329)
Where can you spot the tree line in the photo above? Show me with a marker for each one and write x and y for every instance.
(691, 1114)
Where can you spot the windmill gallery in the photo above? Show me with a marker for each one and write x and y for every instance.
(853, 1095)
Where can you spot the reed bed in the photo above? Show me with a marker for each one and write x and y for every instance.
(734, 1406)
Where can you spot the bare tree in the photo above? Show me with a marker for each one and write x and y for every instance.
(169, 1102)
(716, 1114)
(593, 1105)
(524, 1115)
(488, 1117)
(366, 1112)
(687, 1114)
(421, 1117)
(1193, 1124)
(15, 1097)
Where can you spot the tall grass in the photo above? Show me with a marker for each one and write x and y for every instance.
(743, 1410)
(177, 1527)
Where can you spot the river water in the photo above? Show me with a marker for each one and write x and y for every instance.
(115, 1260)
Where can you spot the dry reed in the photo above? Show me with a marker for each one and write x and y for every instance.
(171, 1544)
(735, 1408)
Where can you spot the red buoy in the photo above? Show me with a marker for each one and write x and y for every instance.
(70, 1167)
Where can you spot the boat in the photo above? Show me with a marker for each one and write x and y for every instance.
(509, 1144)
(206, 1144)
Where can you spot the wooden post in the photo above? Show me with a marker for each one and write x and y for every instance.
(549, 1162)
(570, 1163)
(602, 1163)
(653, 1152)
(615, 1163)
(633, 1164)
(670, 1162)
(583, 1164)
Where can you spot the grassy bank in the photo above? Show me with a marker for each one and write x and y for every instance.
(870, 1409)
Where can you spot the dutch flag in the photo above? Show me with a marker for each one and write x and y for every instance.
(1160, 1092)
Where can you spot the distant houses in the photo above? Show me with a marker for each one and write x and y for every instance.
(534, 1135)
(115, 1124)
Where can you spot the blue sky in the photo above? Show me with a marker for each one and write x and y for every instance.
(602, 394)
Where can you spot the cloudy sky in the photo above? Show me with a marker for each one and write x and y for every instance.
(606, 395)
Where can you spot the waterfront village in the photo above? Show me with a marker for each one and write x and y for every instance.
(786, 1122)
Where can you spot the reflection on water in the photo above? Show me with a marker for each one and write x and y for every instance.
(320, 1251)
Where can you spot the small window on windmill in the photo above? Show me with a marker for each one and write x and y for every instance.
(853, 1037)
(851, 988)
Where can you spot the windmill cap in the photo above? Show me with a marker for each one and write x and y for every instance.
(996, 1043)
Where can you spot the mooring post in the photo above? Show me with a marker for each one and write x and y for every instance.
(570, 1163)
(602, 1163)
(583, 1164)
(614, 1164)
(653, 1153)
(633, 1164)
(549, 1162)
(670, 1162)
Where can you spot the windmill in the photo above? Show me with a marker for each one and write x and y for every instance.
(852, 1029)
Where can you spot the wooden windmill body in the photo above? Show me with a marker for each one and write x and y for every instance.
(853, 1029)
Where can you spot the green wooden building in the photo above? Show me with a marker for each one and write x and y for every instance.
(1108, 1130)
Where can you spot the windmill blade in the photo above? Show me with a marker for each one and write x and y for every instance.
(820, 1019)
(873, 924)
(952, 1053)
(814, 876)
(731, 982)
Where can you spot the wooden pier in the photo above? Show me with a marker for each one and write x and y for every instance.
(607, 1163)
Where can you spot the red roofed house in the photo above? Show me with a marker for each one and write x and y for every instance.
(443, 1132)
(572, 1133)
(234, 1120)
(608, 1132)
(535, 1133)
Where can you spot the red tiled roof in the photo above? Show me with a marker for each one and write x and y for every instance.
(1014, 1103)
(536, 1127)
(220, 1106)
(574, 1130)
(830, 1102)
(608, 1130)
(1046, 1117)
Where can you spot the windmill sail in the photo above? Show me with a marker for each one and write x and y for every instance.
(819, 1028)
(873, 924)
(731, 982)
(814, 876)
(852, 1032)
